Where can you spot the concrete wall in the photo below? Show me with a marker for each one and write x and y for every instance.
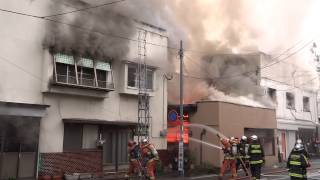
(293, 119)
(231, 120)
(234, 118)
(26, 72)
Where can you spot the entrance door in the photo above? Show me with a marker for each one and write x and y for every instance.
(115, 154)
(18, 148)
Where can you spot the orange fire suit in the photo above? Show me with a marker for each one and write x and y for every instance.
(134, 165)
(149, 156)
(229, 160)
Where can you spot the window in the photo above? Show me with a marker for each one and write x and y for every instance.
(272, 93)
(133, 77)
(72, 139)
(306, 104)
(82, 72)
(78, 136)
(290, 101)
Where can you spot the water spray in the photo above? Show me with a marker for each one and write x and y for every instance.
(205, 143)
(210, 129)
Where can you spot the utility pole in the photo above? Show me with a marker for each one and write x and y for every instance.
(181, 156)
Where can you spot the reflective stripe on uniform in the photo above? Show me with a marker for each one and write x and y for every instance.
(256, 162)
(296, 175)
(228, 157)
(296, 163)
(256, 151)
(255, 146)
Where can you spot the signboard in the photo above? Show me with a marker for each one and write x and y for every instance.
(172, 115)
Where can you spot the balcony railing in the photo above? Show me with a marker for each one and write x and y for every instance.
(83, 82)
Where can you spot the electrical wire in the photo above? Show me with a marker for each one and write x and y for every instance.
(83, 9)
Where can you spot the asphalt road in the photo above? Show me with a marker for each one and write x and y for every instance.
(313, 173)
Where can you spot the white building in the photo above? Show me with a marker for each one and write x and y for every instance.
(295, 103)
(64, 103)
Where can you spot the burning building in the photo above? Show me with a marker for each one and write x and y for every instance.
(69, 89)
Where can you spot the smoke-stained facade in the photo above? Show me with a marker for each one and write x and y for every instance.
(83, 82)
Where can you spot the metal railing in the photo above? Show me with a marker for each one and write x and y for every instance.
(84, 82)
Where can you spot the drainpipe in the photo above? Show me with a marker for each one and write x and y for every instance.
(203, 132)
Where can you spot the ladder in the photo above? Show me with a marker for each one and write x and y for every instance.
(143, 96)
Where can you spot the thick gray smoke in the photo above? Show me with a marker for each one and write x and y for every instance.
(211, 27)
(95, 35)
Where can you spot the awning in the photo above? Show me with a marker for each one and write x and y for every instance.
(100, 121)
(22, 109)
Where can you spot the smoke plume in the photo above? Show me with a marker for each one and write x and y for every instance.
(93, 33)
(212, 30)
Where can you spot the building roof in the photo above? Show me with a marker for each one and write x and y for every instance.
(224, 102)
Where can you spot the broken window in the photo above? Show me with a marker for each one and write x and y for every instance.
(290, 101)
(272, 93)
(82, 71)
(133, 77)
(306, 104)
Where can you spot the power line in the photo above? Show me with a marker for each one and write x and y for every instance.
(19, 67)
(20, 13)
(83, 9)
(84, 29)
(105, 33)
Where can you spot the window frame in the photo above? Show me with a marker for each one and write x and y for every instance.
(303, 104)
(109, 82)
(136, 81)
(273, 95)
(294, 103)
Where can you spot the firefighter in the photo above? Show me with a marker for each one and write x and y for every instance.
(256, 158)
(298, 163)
(149, 157)
(229, 161)
(134, 165)
(243, 157)
(304, 151)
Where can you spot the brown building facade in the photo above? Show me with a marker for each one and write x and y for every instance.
(232, 120)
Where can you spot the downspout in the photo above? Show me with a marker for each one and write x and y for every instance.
(203, 132)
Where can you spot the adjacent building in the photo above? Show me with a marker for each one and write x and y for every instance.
(231, 120)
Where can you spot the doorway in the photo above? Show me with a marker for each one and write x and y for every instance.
(115, 154)
(18, 147)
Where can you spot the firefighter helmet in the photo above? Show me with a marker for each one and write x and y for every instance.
(299, 141)
(298, 147)
(145, 141)
(254, 137)
(244, 138)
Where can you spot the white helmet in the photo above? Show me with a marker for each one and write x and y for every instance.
(254, 137)
(244, 138)
(144, 141)
(299, 141)
(298, 147)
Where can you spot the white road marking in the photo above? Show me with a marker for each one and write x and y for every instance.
(204, 176)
